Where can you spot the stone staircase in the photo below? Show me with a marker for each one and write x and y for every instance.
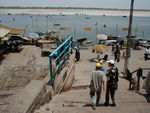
(77, 100)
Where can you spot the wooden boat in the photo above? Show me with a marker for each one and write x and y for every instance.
(89, 41)
(124, 16)
(81, 39)
(87, 18)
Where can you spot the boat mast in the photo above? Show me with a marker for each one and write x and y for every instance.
(25, 30)
(36, 23)
(96, 30)
(32, 23)
(143, 34)
(117, 30)
(136, 29)
(74, 31)
(47, 21)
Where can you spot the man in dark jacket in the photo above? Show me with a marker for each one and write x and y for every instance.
(112, 83)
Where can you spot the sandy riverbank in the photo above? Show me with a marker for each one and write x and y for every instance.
(96, 12)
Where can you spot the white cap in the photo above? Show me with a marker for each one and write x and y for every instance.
(111, 61)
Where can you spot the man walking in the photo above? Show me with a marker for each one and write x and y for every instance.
(112, 82)
(97, 80)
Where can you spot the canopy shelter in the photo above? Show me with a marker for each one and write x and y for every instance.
(100, 48)
(34, 35)
(110, 42)
(13, 31)
(101, 37)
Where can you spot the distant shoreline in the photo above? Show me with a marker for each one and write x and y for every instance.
(17, 7)
(73, 11)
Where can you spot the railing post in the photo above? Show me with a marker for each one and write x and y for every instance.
(139, 74)
(71, 43)
(58, 61)
(65, 58)
(51, 71)
(68, 51)
(67, 48)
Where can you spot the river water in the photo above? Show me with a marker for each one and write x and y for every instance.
(99, 24)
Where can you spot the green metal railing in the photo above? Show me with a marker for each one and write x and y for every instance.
(60, 55)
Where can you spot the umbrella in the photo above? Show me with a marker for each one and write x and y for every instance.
(110, 41)
(100, 48)
(101, 37)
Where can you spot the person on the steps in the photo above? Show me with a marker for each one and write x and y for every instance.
(97, 80)
(77, 55)
(112, 82)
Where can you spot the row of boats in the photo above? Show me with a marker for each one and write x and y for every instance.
(11, 39)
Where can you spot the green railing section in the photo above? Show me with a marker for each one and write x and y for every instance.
(59, 57)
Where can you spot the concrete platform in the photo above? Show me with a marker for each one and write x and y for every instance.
(27, 98)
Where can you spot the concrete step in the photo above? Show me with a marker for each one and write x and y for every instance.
(78, 98)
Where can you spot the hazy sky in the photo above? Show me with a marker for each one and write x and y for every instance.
(120, 4)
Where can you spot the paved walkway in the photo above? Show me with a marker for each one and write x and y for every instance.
(77, 100)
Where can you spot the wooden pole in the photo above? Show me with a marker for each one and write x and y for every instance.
(126, 64)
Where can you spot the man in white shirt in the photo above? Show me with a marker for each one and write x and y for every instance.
(147, 52)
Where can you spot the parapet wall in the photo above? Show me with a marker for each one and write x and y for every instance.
(37, 92)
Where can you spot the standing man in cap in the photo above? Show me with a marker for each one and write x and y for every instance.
(112, 82)
(97, 80)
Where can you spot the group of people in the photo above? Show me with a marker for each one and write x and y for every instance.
(98, 83)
